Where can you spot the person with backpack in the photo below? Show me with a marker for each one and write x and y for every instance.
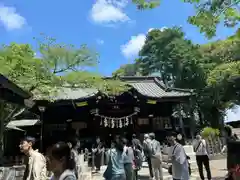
(200, 148)
(148, 152)
(156, 157)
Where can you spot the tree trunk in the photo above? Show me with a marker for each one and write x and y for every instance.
(216, 119)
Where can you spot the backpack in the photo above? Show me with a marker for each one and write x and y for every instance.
(138, 159)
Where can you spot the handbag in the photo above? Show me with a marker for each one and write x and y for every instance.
(108, 172)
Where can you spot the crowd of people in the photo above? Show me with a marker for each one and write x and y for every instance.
(124, 159)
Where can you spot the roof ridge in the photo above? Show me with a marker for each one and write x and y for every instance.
(126, 78)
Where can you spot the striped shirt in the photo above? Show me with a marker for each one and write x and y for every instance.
(200, 147)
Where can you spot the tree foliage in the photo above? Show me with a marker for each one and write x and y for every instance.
(209, 14)
(173, 57)
(209, 69)
(126, 70)
(59, 65)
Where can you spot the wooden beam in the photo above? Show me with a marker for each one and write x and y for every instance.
(7, 84)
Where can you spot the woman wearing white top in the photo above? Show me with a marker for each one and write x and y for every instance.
(178, 159)
(200, 148)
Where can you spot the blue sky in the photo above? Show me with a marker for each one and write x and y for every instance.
(114, 28)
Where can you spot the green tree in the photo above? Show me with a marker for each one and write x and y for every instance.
(208, 14)
(221, 62)
(173, 57)
(182, 64)
(126, 70)
(59, 65)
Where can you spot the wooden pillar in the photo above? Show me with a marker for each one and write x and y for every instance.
(172, 120)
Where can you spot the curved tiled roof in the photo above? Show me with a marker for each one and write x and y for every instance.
(152, 86)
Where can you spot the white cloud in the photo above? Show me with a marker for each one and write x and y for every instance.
(109, 11)
(100, 41)
(132, 47)
(10, 19)
(232, 114)
(161, 29)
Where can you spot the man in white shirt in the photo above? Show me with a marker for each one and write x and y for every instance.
(178, 159)
(36, 164)
(200, 148)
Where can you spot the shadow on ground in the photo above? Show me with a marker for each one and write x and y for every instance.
(147, 178)
(218, 178)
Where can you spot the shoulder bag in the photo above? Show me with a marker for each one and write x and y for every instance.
(196, 149)
(170, 167)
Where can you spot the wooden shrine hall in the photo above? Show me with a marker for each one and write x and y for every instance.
(146, 107)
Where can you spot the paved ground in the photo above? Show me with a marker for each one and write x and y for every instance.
(218, 168)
